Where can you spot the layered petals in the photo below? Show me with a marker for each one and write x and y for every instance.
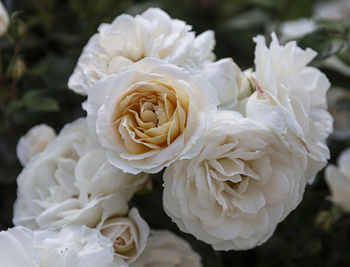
(73, 246)
(290, 99)
(129, 39)
(237, 189)
(71, 182)
(128, 235)
(150, 114)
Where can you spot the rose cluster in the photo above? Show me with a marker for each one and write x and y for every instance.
(237, 148)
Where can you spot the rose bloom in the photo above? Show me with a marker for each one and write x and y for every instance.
(340, 113)
(71, 182)
(72, 246)
(128, 234)
(129, 39)
(338, 180)
(297, 28)
(4, 19)
(166, 249)
(150, 114)
(290, 99)
(228, 80)
(332, 10)
(33, 142)
(237, 189)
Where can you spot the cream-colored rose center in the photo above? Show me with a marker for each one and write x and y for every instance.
(122, 238)
(235, 185)
(150, 116)
(124, 242)
(226, 174)
(231, 171)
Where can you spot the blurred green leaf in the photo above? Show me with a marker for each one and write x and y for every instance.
(293, 9)
(337, 26)
(55, 70)
(324, 44)
(250, 19)
(15, 113)
(15, 15)
(344, 54)
(14, 107)
(42, 104)
(265, 3)
(17, 27)
(37, 101)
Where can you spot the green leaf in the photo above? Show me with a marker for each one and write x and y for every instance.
(324, 44)
(56, 71)
(265, 3)
(251, 19)
(35, 100)
(33, 93)
(16, 14)
(337, 26)
(15, 112)
(42, 104)
(344, 55)
(13, 107)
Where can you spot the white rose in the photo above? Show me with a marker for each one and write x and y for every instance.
(4, 19)
(332, 10)
(297, 28)
(237, 189)
(71, 182)
(338, 180)
(16, 248)
(227, 78)
(166, 249)
(290, 99)
(128, 39)
(202, 50)
(73, 246)
(33, 142)
(340, 113)
(150, 114)
(128, 235)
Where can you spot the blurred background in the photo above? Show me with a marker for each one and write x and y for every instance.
(46, 37)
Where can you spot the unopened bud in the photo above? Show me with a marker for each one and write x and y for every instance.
(19, 69)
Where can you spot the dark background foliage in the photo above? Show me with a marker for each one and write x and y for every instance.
(39, 53)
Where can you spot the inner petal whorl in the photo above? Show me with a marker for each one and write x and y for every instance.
(228, 170)
(153, 115)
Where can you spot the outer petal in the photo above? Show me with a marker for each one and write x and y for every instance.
(339, 185)
(71, 182)
(291, 101)
(16, 248)
(223, 74)
(165, 249)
